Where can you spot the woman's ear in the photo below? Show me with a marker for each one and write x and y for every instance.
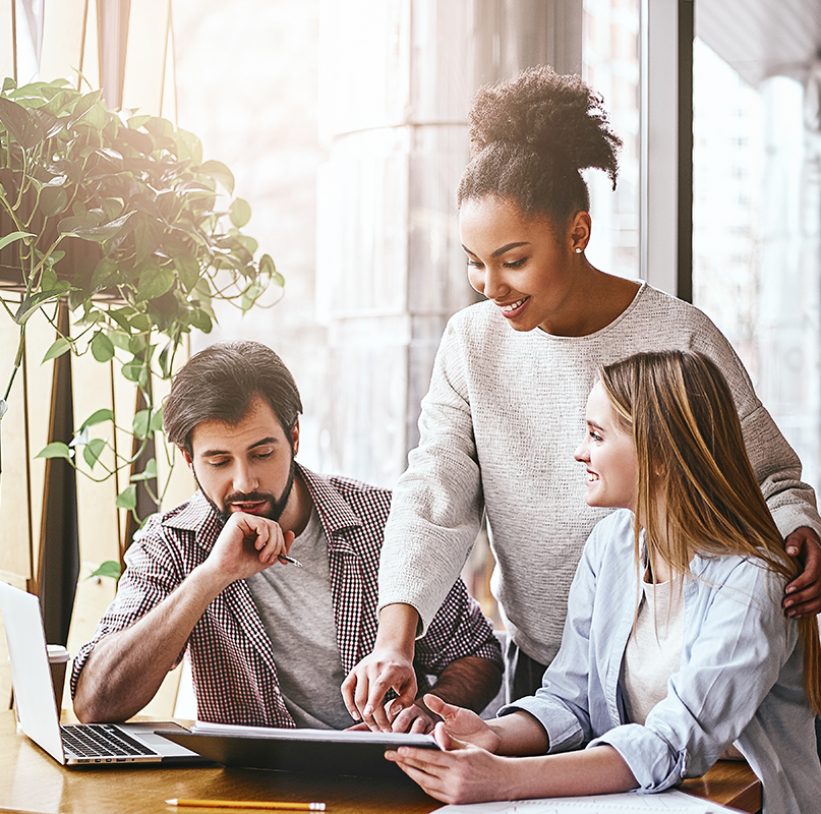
(580, 231)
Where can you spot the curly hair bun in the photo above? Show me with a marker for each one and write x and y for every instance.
(556, 116)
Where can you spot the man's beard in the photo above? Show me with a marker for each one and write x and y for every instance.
(277, 505)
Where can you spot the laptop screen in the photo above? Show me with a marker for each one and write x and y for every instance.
(30, 673)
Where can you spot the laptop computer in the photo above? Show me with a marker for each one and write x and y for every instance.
(80, 744)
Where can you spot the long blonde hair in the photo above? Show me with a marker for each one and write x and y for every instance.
(692, 461)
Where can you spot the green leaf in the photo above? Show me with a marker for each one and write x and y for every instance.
(56, 449)
(84, 105)
(120, 316)
(102, 273)
(30, 304)
(135, 122)
(12, 236)
(220, 173)
(133, 371)
(120, 339)
(92, 451)
(22, 125)
(136, 344)
(101, 233)
(188, 269)
(239, 212)
(156, 420)
(201, 320)
(154, 282)
(127, 499)
(149, 473)
(52, 201)
(109, 568)
(188, 146)
(58, 348)
(268, 267)
(141, 423)
(102, 348)
(97, 417)
(68, 225)
(141, 322)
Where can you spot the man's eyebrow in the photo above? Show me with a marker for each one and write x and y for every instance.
(501, 250)
(212, 453)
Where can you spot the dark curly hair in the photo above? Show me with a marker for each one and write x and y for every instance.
(531, 137)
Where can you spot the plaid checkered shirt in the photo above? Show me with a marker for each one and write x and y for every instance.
(232, 659)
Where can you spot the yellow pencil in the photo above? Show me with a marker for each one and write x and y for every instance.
(258, 804)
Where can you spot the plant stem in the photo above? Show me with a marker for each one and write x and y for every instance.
(18, 360)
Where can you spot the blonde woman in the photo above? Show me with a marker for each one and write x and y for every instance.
(675, 648)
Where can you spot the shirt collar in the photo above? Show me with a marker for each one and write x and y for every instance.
(335, 514)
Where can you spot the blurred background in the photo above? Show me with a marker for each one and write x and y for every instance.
(345, 126)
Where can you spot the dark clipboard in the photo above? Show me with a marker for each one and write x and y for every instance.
(297, 750)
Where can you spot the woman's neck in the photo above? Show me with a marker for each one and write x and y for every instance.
(593, 301)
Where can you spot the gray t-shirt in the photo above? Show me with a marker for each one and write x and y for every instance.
(297, 613)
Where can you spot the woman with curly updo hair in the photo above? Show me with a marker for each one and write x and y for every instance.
(508, 390)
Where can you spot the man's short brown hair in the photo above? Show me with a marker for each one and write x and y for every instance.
(219, 383)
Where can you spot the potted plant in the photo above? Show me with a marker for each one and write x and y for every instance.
(120, 221)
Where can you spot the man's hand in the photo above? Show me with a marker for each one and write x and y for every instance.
(247, 545)
(366, 685)
(803, 594)
(415, 718)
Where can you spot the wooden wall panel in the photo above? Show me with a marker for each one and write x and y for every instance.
(40, 335)
(95, 501)
(15, 500)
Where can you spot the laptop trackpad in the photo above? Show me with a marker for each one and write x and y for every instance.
(144, 732)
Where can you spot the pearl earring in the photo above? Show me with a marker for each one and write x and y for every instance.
(578, 250)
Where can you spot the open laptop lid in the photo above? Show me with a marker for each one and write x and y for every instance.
(30, 673)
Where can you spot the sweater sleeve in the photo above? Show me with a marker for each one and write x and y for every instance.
(777, 467)
(562, 704)
(437, 503)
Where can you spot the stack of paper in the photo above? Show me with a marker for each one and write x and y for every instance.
(668, 802)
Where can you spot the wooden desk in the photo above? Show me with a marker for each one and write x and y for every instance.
(31, 781)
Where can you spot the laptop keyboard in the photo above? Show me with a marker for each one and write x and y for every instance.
(100, 740)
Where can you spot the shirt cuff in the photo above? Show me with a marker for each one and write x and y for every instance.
(564, 732)
(793, 516)
(655, 764)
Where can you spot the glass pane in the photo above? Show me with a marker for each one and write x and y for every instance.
(756, 222)
(610, 65)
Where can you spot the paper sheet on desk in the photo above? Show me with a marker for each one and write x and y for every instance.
(668, 802)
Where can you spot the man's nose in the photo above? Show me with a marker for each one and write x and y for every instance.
(245, 481)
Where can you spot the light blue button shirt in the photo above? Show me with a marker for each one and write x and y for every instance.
(740, 678)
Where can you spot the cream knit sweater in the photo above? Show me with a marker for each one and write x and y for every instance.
(499, 425)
